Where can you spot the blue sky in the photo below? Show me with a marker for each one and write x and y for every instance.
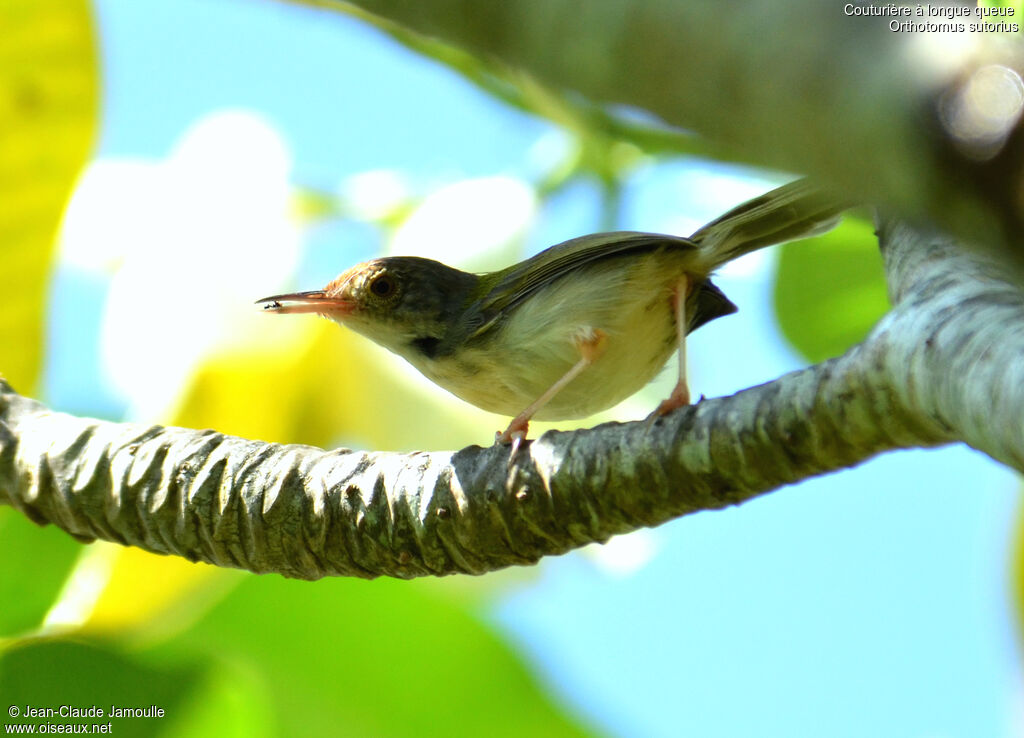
(871, 602)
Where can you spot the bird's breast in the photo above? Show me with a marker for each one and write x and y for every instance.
(628, 299)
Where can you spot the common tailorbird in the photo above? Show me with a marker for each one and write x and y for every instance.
(571, 331)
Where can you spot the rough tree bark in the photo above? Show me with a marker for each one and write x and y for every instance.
(848, 102)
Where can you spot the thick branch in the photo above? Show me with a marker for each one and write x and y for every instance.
(307, 513)
(820, 91)
(954, 345)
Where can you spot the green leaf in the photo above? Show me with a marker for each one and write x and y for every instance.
(830, 290)
(51, 673)
(48, 116)
(229, 701)
(36, 563)
(382, 658)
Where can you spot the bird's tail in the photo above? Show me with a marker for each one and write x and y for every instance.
(800, 209)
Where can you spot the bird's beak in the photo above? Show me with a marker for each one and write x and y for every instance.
(315, 301)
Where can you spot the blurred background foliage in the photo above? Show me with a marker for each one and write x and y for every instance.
(228, 653)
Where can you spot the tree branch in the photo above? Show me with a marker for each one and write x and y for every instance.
(953, 344)
(878, 113)
(945, 364)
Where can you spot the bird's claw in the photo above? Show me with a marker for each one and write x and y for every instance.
(517, 441)
(513, 436)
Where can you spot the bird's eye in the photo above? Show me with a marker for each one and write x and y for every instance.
(383, 286)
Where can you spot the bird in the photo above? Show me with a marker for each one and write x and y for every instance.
(572, 330)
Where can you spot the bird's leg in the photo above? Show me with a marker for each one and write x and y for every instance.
(680, 396)
(591, 345)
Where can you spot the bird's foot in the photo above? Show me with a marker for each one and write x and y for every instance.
(680, 397)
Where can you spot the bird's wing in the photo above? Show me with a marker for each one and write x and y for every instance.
(518, 282)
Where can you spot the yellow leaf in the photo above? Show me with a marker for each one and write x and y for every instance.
(1018, 570)
(147, 592)
(48, 115)
(302, 380)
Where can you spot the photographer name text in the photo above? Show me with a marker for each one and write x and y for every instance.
(70, 711)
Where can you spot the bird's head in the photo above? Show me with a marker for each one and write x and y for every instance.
(403, 303)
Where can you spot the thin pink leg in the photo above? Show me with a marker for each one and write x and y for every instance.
(680, 396)
(591, 347)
